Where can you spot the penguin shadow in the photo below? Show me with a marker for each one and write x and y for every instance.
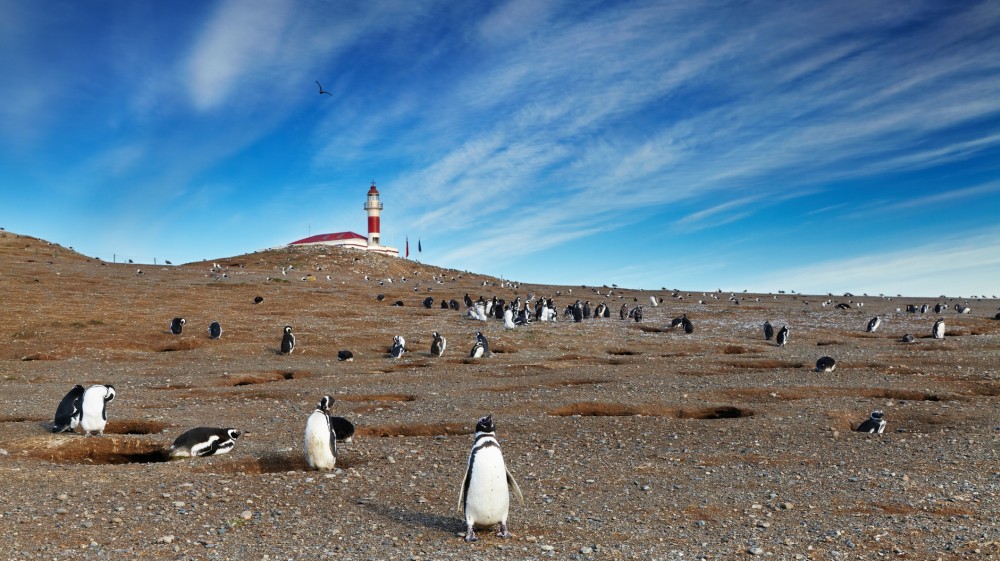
(448, 524)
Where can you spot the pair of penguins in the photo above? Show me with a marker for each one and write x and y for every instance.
(214, 328)
(782, 338)
(484, 500)
(479, 349)
(87, 409)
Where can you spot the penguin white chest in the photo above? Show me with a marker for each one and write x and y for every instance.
(487, 500)
(319, 443)
(94, 416)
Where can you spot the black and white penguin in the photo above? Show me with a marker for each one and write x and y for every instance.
(481, 348)
(69, 411)
(508, 319)
(623, 311)
(444, 304)
(938, 330)
(468, 300)
(938, 308)
(321, 437)
(258, 299)
(398, 346)
(686, 323)
(908, 338)
(453, 304)
(873, 324)
(177, 325)
(678, 321)
(287, 341)
(204, 441)
(94, 408)
(600, 310)
(439, 345)
(578, 311)
(485, 497)
(636, 314)
(826, 364)
(873, 424)
(782, 338)
(343, 428)
(429, 302)
(768, 331)
(586, 310)
(345, 355)
(214, 330)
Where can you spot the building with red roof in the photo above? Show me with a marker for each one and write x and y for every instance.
(356, 241)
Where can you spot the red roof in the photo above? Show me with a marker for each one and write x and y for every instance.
(337, 236)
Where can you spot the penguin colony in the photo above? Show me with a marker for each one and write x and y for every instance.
(484, 498)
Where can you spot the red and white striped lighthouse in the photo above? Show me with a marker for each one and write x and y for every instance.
(374, 208)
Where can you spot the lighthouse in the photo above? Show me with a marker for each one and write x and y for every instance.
(352, 240)
(374, 208)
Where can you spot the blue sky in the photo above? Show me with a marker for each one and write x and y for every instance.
(808, 146)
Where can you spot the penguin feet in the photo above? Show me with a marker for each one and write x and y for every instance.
(470, 535)
(503, 533)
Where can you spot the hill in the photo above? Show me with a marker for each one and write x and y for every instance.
(630, 440)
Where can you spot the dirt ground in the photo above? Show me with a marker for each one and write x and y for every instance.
(629, 440)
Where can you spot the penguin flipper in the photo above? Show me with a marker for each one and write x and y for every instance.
(465, 487)
(513, 485)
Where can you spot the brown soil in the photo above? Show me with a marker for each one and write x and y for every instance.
(630, 441)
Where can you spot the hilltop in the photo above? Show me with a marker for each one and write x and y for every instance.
(630, 440)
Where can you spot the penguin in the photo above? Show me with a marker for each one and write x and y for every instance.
(345, 355)
(938, 330)
(343, 429)
(481, 348)
(874, 424)
(768, 331)
(177, 325)
(607, 312)
(623, 311)
(429, 302)
(485, 499)
(508, 319)
(398, 346)
(468, 300)
(686, 323)
(873, 324)
(826, 364)
(908, 338)
(258, 299)
(586, 310)
(938, 308)
(678, 321)
(439, 345)
(214, 330)
(69, 411)
(444, 304)
(453, 304)
(287, 341)
(321, 437)
(636, 314)
(601, 310)
(203, 441)
(94, 408)
(782, 336)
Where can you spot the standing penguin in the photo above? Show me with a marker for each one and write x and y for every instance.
(94, 408)
(578, 312)
(439, 345)
(321, 438)
(481, 348)
(508, 319)
(938, 330)
(623, 311)
(69, 411)
(287, 341)
(203, 441)
(177, 325)
(873, 324)
(768, 331)
(782, 336)
(873, 424)
(398, 346)
(485, 498)
(214, 330)
(688, 326)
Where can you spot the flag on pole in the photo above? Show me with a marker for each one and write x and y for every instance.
(419, 249)
(407, 246)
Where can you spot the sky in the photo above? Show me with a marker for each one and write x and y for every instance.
(816, 147)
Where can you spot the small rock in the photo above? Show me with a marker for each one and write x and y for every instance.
(246, 515)
(586, 550)
(178, 504)
(755, 551)
(787, 506)
(166, 539)
(547, 547)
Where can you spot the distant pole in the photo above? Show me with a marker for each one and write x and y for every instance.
(154, 261)
(114, 257)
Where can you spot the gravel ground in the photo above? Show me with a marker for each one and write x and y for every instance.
(629, 440)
